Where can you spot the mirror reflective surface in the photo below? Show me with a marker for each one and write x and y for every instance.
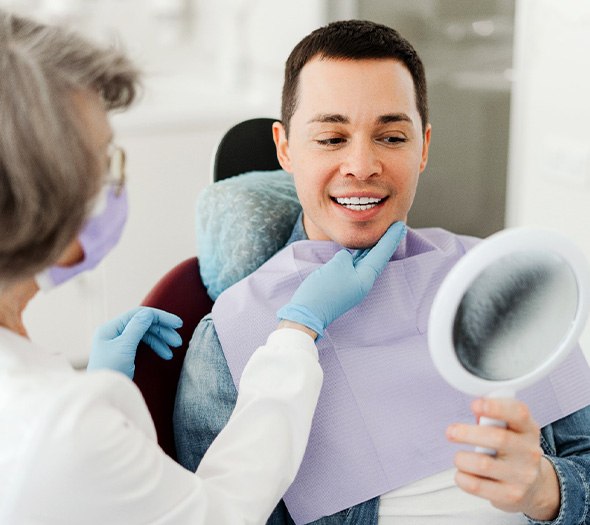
(509, 311)
(515, 315)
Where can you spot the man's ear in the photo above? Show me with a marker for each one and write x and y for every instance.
(282, 144)
(425, 147)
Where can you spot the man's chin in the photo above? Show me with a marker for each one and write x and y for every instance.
(359, 242)
(360, 239)
(351, 236)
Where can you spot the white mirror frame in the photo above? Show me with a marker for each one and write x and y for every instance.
(458, 280)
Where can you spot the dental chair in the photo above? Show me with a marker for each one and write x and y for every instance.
(245, 147)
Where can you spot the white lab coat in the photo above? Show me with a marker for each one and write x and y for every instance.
(81, 448)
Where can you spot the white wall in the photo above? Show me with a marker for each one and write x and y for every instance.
(549, 172)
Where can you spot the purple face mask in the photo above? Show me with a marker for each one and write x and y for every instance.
(98, 237)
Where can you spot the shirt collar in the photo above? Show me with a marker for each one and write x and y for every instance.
(298, 233)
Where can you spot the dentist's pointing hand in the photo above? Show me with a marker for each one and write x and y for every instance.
(341, 283)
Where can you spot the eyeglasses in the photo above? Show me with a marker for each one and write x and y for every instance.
(116, 164)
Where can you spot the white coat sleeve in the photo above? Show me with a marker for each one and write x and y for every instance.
(99, 462)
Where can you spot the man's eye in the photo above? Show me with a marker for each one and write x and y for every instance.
(394, 140)
(333, 141)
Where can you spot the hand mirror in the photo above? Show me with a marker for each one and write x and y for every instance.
(509, 312)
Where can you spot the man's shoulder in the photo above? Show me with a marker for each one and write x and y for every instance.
(205, 344)
(206, 324)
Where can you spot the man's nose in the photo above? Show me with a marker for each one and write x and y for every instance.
(361, 160)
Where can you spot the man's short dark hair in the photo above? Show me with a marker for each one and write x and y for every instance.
(352, 40)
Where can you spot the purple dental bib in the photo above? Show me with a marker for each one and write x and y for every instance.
(383, 409)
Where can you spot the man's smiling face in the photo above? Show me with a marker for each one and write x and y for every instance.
(355, 148)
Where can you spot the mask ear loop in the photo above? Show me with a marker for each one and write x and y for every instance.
(44, 281)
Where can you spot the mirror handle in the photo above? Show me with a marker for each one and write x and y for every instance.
(489, 422)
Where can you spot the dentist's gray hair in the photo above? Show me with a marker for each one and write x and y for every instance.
(49, 173)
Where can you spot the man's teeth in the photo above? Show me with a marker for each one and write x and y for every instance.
(358, 203)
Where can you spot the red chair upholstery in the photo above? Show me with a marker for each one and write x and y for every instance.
(181, 292)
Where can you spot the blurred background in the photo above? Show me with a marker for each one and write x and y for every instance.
(508, 83)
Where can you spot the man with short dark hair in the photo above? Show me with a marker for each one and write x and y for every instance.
(355, 137)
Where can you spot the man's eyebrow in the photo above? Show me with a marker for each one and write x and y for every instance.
(333, 118)
(394, 117)
(337, 118)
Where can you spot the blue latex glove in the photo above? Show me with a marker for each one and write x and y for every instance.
(341, 283)
(115, 343)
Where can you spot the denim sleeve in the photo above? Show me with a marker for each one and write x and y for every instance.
(205, 397)
(566, 443)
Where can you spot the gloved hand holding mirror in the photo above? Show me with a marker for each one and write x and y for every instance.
(508, 313)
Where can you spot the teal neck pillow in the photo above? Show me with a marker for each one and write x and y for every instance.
(242, 222)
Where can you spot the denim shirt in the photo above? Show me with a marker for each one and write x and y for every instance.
(206, 397)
